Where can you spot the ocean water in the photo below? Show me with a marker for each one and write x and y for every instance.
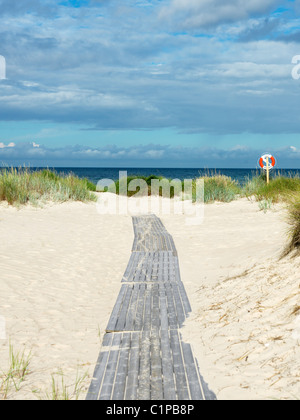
(95, 174)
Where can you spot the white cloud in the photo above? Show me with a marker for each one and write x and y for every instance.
(3, 146)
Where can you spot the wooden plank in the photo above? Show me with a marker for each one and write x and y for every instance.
(178, 299)
(139, 317)
(115, 313)
(192, 374)
(179, 370)
(122, 370)
(121, 321)
(109, 376)
(129, 268)
(149, 267)
(155, 310)
(129, 277)
(145, 372)
(172, 314)
(164, 321)
(169, 389)
(99, 371)
(131, 314)
(156, 367)
(147, 308)
(131, 392)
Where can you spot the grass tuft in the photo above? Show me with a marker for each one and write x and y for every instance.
(17, 372)
(220, 188)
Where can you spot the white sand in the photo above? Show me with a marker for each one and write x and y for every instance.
(61, 270)
(242, 329)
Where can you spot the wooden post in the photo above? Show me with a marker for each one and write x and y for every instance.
(268, 171)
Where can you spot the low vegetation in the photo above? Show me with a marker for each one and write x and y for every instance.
(294, 221)
(21, 186)
(280, 188)
(11, 380)
(220, 188)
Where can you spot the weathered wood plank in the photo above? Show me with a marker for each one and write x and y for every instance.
(179, 370)
(156, 367)
(155, 309)
(192, 374)
(169, 388)
(121, 321)
(131, 392)
(145, 371)
(122, 370)
(139, 317)
(110, 372)
(94, 389)
(115, 313)
(131, 314)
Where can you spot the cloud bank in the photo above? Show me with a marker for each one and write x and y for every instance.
(125, 66)
(152, 155)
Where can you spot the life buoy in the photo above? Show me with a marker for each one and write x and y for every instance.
(263, 161)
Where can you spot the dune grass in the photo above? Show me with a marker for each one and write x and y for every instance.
(12, 379)
(21, 186)
(294, 221)
(280, 189)
(220, 188)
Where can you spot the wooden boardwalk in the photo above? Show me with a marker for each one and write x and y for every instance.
(143, 356)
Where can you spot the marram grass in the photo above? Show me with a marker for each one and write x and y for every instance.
(294, 221)
(21, 186)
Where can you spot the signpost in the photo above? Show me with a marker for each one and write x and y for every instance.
(267, 162)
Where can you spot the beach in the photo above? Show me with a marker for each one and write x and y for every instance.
(61, 270)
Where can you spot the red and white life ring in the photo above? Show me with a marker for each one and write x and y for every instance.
(263, 161)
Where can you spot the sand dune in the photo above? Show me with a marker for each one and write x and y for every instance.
(61, 268)
(245, 325)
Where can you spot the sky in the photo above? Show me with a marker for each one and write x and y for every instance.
(149, 83)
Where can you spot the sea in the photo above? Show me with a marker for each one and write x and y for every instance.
(96, 174)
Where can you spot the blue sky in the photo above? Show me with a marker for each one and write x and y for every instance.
(159, 83)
